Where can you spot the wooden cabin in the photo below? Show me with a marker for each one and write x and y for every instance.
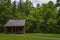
(15, 27)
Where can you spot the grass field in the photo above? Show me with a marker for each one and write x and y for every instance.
(30, 36)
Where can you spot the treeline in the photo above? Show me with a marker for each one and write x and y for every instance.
(40, 19)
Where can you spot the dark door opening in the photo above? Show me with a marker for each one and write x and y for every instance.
(8, 29)
(19, 30)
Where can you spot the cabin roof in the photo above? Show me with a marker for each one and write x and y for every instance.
(15, 23)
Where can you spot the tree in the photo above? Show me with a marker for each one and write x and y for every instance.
(25, 7)
(28, 6)
(58, 3)
(48, 11)
(5, 12)
(14, 9)
(20, 6)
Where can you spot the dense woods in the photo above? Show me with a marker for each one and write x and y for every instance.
(44, 18)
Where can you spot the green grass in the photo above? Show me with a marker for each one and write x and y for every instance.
(30, 36)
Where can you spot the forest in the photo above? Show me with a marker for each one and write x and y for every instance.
(43, 18)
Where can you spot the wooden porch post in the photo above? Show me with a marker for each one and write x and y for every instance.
(24, 29)
(11, 29)
(15, 29)
(5, 29)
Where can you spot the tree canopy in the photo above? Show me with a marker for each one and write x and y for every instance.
(40, 19)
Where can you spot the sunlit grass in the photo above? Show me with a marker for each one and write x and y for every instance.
(33, 36)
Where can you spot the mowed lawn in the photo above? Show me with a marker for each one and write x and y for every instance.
(29, 36)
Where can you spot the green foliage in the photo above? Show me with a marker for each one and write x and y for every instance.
(45, 19)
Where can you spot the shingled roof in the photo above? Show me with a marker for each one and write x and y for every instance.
(15, 23)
